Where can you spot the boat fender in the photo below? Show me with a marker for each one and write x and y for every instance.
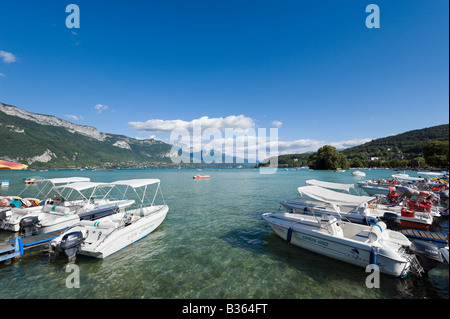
(376, 231)
(373, 258)
(289, 235)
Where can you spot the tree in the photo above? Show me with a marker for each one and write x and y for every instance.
(328, 157)
(436, 153)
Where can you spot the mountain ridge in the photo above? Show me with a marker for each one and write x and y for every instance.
(46, 141)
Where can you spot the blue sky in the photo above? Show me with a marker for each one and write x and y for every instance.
(311, 66)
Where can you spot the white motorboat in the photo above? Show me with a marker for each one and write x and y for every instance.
(4, 182)
(107, 235)
(76, 201)
(356, 244)
(19, 207)
(407, 178)
(359, 209)
(358, 173)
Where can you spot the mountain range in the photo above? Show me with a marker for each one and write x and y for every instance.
(45, 141)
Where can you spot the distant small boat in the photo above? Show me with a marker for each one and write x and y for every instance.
(340, 170)
(4, 182)
(358, 173)
(33, 180)
(201, 177)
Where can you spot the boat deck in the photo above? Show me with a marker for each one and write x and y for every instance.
(424, 235)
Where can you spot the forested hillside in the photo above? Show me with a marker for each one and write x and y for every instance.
(428, 147)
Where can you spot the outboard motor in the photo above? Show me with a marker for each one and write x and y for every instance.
(2, 217)
(391, 219)
(428, 254)
(71, 244)
(29, 225)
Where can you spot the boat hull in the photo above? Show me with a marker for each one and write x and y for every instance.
(121, 238)
(352, 252)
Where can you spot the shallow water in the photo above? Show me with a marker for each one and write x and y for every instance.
(213, 244)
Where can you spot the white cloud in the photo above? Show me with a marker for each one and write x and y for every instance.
(308, 145)
(1, 74)
(277, 124)
(100, 108)
(74, 117)
(244, 142)
(239, 122)
(7, 57)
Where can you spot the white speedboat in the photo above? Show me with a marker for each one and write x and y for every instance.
(356, 244)
(107, 235)
(358, 173)
(406, 178)
(90, 202)
(19, 207)
(358, 209)
(87, 199)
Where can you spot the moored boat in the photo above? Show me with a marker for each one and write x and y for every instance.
(356, 244)
(358, 173)
(63, 210)
(107, 235)
(359, 209)
(201, 177)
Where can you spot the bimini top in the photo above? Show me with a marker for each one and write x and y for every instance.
(67, 180)
(406, 177)
(135, 183)
(80, 186)
(338, 186)
(332, 197)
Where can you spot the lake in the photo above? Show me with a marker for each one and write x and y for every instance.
(213, 244)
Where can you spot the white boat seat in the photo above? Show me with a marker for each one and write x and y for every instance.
(60, 209)
(362, 236)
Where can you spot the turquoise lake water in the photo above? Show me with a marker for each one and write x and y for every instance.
(213, 244)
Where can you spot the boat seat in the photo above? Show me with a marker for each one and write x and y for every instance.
(362, 236)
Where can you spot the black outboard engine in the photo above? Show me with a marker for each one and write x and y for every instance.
(29, 225)
(391, 219)
(2, 217)
(71, 244)
(428, 254)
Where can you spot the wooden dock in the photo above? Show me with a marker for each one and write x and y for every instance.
(424, 235)
(19, 245)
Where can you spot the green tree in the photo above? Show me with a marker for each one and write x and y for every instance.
(436, 153)
(328, 157)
